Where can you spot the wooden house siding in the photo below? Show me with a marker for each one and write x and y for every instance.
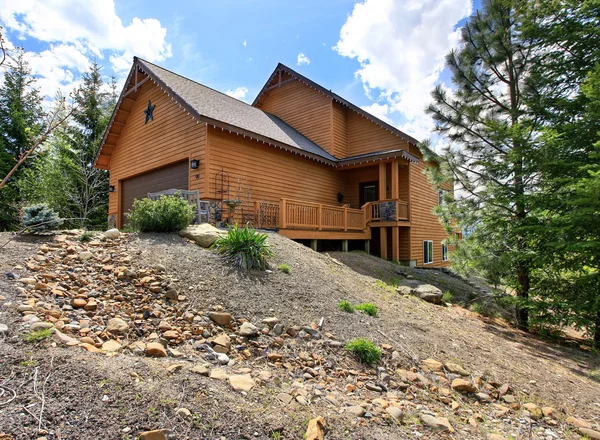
(365, 136)
(305, 109)
(339, 131)
(171, 137)
(269, 173)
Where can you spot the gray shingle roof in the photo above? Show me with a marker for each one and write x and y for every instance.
(215, 105)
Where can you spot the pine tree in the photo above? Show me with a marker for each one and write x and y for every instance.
(21, 117)
(492, 154)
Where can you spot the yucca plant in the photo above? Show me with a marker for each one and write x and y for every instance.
(245, 248)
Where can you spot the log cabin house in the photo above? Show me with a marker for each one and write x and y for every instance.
(300, 159)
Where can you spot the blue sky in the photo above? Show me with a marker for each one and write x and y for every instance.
(383, 55)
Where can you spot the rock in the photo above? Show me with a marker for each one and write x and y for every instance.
(434, 365)
(29, 281)
(496, 437)
(278, 330)
(184, 413)
(548, 411)
(25, 308)
(590, 433)
(222, 358)
(155, 349)
(223, 340)
(311, 331)
(248, 330)
(395, 412)
(163, 326)
(456, 369)
(578, 423)
(221, 318)
(174, 368)
(157, 434)
(534, 410)
(241, 382)
(316, 429)
(137, 347)
(428, 293)
(79, 303)
(217, 373)
(483, 397)
(285, 398)
(61, 338)
(275, 357)
(91, 305)
(373, 387)
(117, 325)
(89, 347)
(509, 398)
(203, 370)
(111, 346)
(3, 329)
(40, 326)
(84, 256)
(356, 410)
(172, 293)
(112, 234)
(434, 423)
(271, 322)
(463, 386)
(171, 334)
(503, 389)
(204, 234)
(404, 290)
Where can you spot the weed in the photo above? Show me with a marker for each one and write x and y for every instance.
(448, 296)
(285, 268)
(345, 306)
(28, 363)
(367, 308)
(38, 335)
(365, 350)
(86, 237)
(594, 375)
(276, 435)
(245, 248)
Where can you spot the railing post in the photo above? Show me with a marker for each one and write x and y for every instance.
(320, 217)
(345, 219)
(283, 214)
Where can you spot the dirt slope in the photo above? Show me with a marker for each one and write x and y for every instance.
(117, 396)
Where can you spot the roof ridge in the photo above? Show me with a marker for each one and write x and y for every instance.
(195, 82)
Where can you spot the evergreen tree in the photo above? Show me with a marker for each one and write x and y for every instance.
(493, 152)
(21, 117)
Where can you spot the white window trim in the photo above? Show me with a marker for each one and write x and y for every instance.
(441, 193)
(444, 254)
(430, 256)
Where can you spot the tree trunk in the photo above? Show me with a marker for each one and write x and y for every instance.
(522, 313)
(597, 330)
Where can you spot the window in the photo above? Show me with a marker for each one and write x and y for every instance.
(428, 252)
(444, 252)
(441, 193)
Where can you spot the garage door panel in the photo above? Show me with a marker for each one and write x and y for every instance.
(171, 177)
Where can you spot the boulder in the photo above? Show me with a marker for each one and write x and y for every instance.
(316, 429)
(155, 349)
(221, 318)
(248, 329)
(111, 346)
(428, 293)
(241, 382)
(117, 325)
(112, 233)
(463, 386)
(205, 234)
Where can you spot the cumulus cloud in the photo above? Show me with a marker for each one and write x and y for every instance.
(401, 48)
(238, 93)
(77, 31)
(302, 59)
(380, 111)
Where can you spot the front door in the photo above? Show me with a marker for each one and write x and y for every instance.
(369, 192)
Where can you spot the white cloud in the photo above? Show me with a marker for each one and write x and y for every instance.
(245, 43)
(238, 93)
(77, 31)
(302, 59)
(401, 46)
(380, 111)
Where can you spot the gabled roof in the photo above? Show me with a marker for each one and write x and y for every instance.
(283, 68)
(215, 108)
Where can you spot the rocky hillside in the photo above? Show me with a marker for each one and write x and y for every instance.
(154, 337)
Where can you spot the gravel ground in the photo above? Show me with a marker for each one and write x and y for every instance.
(100, 397)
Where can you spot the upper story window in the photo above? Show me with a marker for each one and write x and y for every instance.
(427, 251)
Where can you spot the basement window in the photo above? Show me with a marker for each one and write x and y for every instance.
(427, 251)
(444, 252)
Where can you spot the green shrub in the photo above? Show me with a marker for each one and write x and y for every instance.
(86, 237)
(285, 268)
(365, 350)
(345, 306)
(38, 335)
(245, 248)
(167, 214)
(448, 296)
(368, 308)
(40, 218)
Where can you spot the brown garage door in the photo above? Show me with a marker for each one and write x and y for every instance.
(138, 187)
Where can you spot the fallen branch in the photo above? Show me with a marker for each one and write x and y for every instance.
(413, 358)
(3, 390)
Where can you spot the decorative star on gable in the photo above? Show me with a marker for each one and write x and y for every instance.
(149, 112)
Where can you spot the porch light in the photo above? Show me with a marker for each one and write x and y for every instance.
(340, 197)
(111, 189)
(194, 164)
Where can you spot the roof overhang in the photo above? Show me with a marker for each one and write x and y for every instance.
(377, 157)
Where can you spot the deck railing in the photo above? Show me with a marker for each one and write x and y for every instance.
(386, 210)
(296, 214)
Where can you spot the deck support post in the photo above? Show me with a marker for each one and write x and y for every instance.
(344, 245)
(368, 247)
(313, 245)
(383, 243)
(395, 243)
(382, 181)
(396, 179)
